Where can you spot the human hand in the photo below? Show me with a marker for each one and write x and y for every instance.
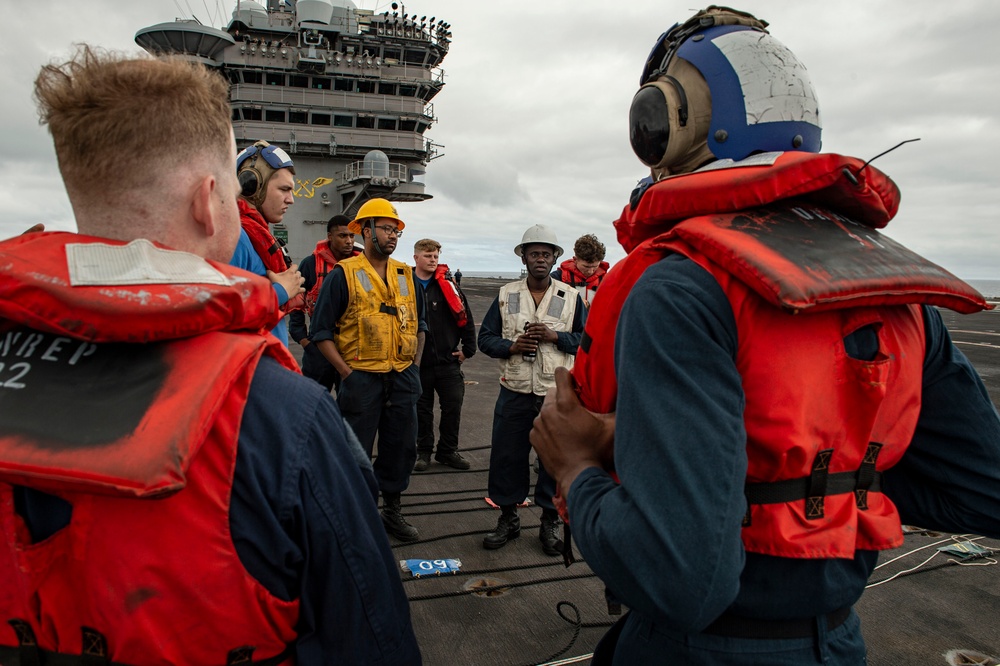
(524, 343)
(542, 332)
(459, 355)
(291, 280)
(569, 438)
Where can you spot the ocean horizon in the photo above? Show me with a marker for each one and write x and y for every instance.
(502, 275)
(988, 288)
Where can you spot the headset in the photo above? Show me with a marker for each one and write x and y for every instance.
(254, 177)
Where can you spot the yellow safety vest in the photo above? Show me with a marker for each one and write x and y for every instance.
(378, 331)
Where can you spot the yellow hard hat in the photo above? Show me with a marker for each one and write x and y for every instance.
(374, 208)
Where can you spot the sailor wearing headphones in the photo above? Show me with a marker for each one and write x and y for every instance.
(265, 173)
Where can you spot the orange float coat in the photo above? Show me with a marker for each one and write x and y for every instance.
(800, 275)
(146, 570)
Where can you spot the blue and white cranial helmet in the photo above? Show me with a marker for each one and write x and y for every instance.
(719, 85)
(762, 97)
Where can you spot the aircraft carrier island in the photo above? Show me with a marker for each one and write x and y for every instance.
(347, 92)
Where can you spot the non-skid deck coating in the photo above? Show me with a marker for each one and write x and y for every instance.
(912, 619)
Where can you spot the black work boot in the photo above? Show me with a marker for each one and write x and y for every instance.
(454, 460)
(423, 461)
(392, 519)
(548, 533)
(508, 527)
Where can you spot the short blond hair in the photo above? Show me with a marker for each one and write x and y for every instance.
(427, 245)
(117, 120)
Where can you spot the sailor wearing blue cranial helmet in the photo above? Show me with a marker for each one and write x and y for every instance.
(719, 86)
(791, 392)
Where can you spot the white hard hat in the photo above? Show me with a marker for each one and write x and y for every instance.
(539, 234)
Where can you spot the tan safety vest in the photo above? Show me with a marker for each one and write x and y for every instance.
(378, 331)
(557, 310)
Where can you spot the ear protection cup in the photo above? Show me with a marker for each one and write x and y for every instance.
(658, 122)
(254, 167)
(249, 182)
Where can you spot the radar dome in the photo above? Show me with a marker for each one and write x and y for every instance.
(250, 13)
(376, 164)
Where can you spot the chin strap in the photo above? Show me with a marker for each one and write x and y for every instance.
(378, 248)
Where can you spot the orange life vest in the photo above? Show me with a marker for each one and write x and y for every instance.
(143, 446)
(323, 263)
(799, 278)
(272, 254)
(451, 295)
(586, 285)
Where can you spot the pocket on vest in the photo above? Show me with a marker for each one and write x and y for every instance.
(374, 338)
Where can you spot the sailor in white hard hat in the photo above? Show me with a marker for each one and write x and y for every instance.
(533, 327)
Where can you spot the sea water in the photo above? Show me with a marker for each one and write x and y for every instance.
(988, 288)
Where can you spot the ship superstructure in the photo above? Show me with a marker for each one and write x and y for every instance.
(346, 91)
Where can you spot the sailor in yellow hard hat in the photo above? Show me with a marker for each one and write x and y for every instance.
(368, 322)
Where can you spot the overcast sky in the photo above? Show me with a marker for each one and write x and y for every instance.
(535, 111)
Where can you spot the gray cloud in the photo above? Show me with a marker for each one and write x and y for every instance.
(534, 114)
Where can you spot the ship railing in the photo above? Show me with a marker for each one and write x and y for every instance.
(376, 173)
(325, 140)
(327, 99)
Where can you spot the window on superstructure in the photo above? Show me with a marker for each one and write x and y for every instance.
(407, 90)
(298, 81)
(274, 116)
(299, 117)
(252, 77)
(407, 125)
(411, 57)
(386, 88)
(320, 83)
(392, 52)
(236, 115)
(421, 127)
(252, 114)
(234, 77)
(365, 122)
(274, 79)
(347, 85)
(387, 123)
(343, 121)
(320, 119)
(366, 86)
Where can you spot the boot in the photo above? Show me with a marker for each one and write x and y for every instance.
(454, 460)
(508, 527)
(393, 521)
(423, 461)
(548, 533)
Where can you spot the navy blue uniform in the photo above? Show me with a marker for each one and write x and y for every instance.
(680, 442)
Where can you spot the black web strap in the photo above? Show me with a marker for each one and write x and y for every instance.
(95, 651)
(27, 653)
(814, 489)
